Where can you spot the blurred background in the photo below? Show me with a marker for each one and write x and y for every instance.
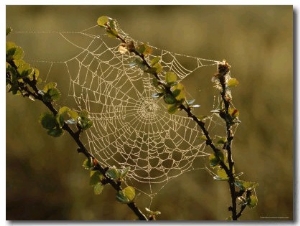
(45, 179)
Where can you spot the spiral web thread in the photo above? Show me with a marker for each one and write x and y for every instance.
(130, 127)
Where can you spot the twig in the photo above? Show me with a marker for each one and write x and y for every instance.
(222, 71)
(75, 135)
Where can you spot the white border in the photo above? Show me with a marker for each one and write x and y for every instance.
(115, 2)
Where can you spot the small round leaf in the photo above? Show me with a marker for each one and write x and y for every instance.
(48, 120)
(252, 201)
(98, 188)
(103, 20)
(126, 195)
(169, 99)
(171, 77)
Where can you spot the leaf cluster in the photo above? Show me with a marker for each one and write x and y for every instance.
(221, 160)
(23, 79)
(18, 72)
(170, 88)
(98, 180)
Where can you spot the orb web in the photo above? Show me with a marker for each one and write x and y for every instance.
(130, 127)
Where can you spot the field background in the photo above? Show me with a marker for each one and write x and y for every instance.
(45, 180)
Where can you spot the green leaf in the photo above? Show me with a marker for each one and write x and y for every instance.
(172, 108)
(233, 112)
(171, 78)
(88, 164)
(8, 30)
(155, 61)
(215, 158)
(24, 69)
(178, 92)
(73, 114)
(158, 68)
(13, 52)
(12, 80)
(144, 49)
(112, 33)
(83, 120)
(48, 120)
(113, 173)
(220, 140)
(84, 113)
(239, 184)
(48, 86)
(250, 185)
(245, 185)
(112, 24)
(169, 99)
(54, 94)
(252, 201)
(95, 177)
(10, 50)
(103, 21)
(98, 188)
(232, 82)
(51, 93)
(126, 195)
(117, 174)
(63, 110)
(109, 24)
(62, 115)
(34, 75)
(221, 175)
(14, 88)
(66, 115)
(55, 132)
(19, 53)
(137, 62)
(203, 137)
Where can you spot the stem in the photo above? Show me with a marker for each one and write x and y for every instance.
(181, 106)
(98, 167)
(223, 70)
(75, 135)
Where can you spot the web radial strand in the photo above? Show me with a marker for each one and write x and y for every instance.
(130, 127)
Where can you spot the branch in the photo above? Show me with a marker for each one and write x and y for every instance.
(27, 86)
(223, 70)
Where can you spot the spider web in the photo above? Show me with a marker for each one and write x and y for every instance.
(130, 127)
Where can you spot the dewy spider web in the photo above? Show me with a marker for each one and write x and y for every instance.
(130, 127)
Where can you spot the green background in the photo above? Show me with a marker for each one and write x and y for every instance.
(45, 179)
